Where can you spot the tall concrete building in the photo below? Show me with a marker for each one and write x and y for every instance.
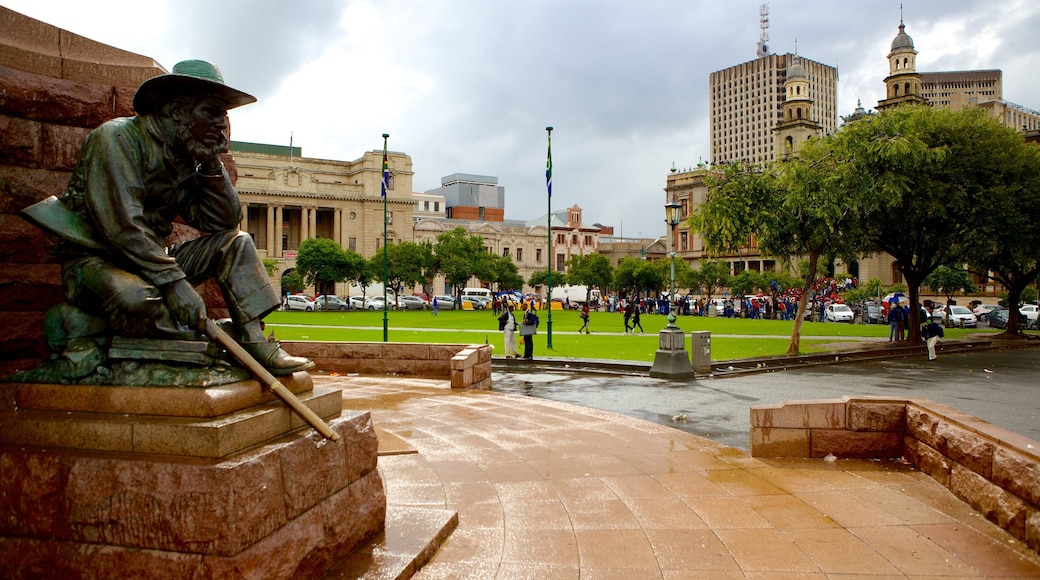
(746, 105)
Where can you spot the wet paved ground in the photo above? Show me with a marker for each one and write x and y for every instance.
(998, 386)
(546, 489)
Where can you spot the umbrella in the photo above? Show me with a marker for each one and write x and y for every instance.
(896, 298)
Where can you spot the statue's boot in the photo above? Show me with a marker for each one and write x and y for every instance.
(270, 354)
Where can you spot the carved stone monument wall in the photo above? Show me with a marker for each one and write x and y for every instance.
(57, 87)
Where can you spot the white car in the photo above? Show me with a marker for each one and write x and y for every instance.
(1029, 311)
(295, 302)
(961, 316)
(413, 303)
(445, 301)
(839, 313)
(376, 303)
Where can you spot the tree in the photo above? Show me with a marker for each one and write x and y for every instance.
(633, 275)
(460, 256)
(541, 278)
(404, 265)
(920, 176)
(748, 282)
(504, 273)
(949, 281)
(792, 208)
(1009, 226)
(321, 262)
(590, 271)
(713, 276)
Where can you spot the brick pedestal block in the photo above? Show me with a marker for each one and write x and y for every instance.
(289, 508)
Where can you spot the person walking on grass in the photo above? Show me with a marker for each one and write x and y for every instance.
(635, 322)
(584, 319)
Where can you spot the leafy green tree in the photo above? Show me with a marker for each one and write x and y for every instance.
(460, 256)
(504, 273)
(590, 271)
(405, 266)
(292, 281)
(793, 208)
(919, 177)
(749, 282)
(949, 281)
(1008, 234)
(322, 263)
(713, 276)
(541, 278)
(633, 275)
(270, 264)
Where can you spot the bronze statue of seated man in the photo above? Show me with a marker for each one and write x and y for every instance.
(134, 177)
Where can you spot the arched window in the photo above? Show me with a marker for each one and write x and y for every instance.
(895, 90)
(897, 276)
(906, 88)
(798, 90)
(905, 61)
(799, 112)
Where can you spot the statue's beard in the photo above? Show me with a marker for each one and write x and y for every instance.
(202, 151)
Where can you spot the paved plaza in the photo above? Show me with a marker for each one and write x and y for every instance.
(550, 489)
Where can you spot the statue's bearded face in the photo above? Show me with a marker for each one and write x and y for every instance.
(200, 128)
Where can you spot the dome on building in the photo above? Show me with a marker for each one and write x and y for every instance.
(796, 70)
(902, 40)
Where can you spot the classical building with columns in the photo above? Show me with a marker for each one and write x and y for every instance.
(288, 198)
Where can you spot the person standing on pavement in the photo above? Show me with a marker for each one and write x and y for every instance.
(895, 323)
(530, 320)
(931, 332)
(507, 324)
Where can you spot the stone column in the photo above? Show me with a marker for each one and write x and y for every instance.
(305, 222)
(270, 231)
(312, 227)
(337, 226)
(277, 249)
(244, 224)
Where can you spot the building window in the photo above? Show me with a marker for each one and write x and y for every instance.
(538, 255)
(684, 241)
(436, 206)
(561, 239)
(519, 254)
(426, 206)
(505, 252)
(389, 217)
(560, 261)
(588, 240)
(352, 243)
(574, 240)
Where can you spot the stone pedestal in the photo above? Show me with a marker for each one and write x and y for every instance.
(671, 361)
(220, 482)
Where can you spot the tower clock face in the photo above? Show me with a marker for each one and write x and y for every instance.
(352, 215)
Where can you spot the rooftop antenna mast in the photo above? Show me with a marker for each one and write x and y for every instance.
(763, 35)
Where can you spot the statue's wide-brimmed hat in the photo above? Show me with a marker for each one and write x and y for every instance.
(189, 78)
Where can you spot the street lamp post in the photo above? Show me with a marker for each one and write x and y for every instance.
(672, 211)
(384, 177)
(671, 361)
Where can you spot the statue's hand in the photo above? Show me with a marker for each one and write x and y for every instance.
(184, 303)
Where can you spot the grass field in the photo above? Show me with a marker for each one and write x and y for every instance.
(731, 338)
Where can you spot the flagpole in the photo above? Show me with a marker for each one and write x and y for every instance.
(382, 188)
(548, 278)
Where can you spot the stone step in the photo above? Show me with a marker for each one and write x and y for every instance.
(206, 437)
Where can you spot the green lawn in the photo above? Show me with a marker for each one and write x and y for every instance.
(747, 338)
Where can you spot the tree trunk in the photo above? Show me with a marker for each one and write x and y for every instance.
(796, 331)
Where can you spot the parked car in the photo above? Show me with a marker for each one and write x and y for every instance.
(982, 310)
(296, 302)
(478, 303)
(1030, 312)
(875, 314)
(961, 316)
(357, 302)
(332, 303)
(445, 302)
(997, 318)
(839, 313)
(376, 303)
(412, 303)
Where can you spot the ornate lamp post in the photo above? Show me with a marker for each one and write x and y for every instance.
(671, 360)
(673, 213)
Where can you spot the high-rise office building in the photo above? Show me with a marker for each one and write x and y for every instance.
(746, 104)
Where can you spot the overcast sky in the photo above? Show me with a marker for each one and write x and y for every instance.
(468, 86)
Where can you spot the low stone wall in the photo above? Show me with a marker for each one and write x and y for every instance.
(466, 366)
(993, 470)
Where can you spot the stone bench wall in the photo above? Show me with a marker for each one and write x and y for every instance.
(466, 366)
(993, 470)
